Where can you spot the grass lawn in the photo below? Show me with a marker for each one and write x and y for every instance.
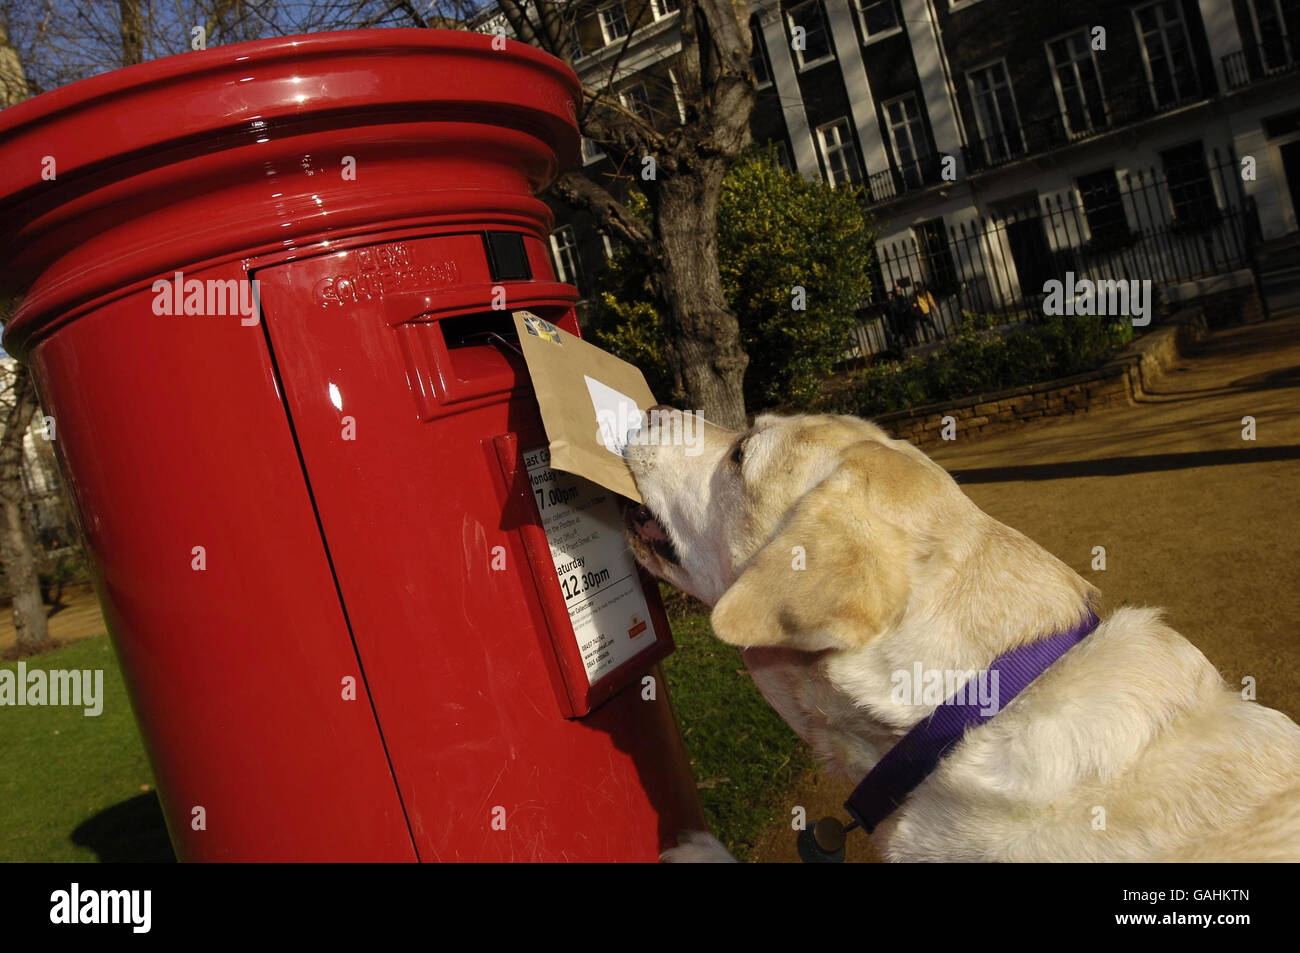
(73, 786)
(744, 756)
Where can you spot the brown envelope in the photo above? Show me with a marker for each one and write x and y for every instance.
(589, 400)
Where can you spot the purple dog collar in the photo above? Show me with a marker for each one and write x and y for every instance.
(910, 761)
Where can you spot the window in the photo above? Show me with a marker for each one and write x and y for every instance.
(636, 100)
(839, 154)
(758, 56)
(1270, 34)
(1168, 53)
(1103, 208)
(816, 39)
(664, 7)
(907, 134)
(1078, 84)
(564, 251)
(937, 263)
(590, 151)
(613, 22)
(1190, 190)
(575, 44)
(995, 109)
(879, 17)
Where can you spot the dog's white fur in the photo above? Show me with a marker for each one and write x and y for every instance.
(1130, 747)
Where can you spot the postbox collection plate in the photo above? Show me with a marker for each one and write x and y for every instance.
(604, 630)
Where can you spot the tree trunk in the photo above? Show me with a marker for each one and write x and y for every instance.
(707, 359)
(17, 540)
(13, 82)
(132, 30)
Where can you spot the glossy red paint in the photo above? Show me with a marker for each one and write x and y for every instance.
(327, 557)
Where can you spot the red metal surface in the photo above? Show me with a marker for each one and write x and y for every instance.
(326, 557)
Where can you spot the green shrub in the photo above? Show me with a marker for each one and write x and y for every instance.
(631, 329)
(776, 231)
(980, 359)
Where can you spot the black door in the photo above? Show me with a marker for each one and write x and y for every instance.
(1031, 253)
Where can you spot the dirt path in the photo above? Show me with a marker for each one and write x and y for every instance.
(1193, 518)
(81, 619)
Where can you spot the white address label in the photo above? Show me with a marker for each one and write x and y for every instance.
(611, 620)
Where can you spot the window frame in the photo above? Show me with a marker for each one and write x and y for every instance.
(1213, 212)
(625, 99)
(1010, 153)
(893, 139)
(845, 143)
(1146, 56)
(1251, 6)
(656, 9)
(869, 38)
(1104, 242)
(562, 271)
(589, 151)
(574, 39)
(604, 30)
(1060, 90)
(801, 64)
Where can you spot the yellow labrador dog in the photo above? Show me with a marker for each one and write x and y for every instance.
(845, 564)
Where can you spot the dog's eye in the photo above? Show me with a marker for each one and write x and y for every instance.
(738, 454)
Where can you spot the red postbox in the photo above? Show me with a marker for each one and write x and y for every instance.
(314, 523)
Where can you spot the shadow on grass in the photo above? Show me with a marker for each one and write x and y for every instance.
(132, 832)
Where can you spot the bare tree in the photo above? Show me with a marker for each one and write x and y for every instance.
(132, 31)
(17, 538)
(687, 159)
(60, 42)
(13, 81)
(677, 162)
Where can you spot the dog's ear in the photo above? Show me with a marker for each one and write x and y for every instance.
(834, 575)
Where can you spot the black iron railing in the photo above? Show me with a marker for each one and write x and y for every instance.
(1277, 55)
(1177, 224)
(1121, 107)
(906, 177)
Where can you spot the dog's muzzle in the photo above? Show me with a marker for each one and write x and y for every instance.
(641, 521)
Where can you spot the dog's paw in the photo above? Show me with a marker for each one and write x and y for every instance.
(697, 847)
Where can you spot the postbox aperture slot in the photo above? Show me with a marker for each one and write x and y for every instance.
(478, 352)
(466, 353)
(467, 330)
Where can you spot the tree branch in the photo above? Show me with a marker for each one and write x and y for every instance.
(16, 422)
(517, 17)
(612, 215)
